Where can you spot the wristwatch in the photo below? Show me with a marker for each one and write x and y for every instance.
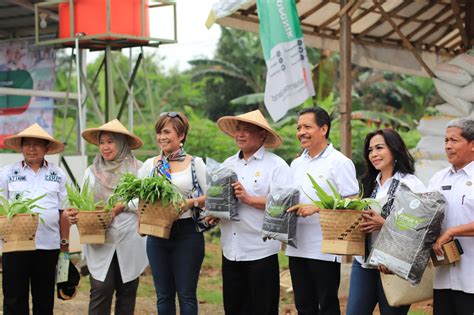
(64, 242)
(196, 203)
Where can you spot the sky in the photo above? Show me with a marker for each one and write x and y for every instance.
(194, 39)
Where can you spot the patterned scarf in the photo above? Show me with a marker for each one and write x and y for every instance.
(162, 166)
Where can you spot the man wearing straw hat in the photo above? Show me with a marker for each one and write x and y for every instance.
(249, 265)
(33, 177)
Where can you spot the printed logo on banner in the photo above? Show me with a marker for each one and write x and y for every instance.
(288, 82)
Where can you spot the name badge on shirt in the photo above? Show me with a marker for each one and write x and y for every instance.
(52, 177)
(16, 177)
(446, 187)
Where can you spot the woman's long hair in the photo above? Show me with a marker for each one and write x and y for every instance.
(404, 162)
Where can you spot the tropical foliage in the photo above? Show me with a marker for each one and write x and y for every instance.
(233, 82)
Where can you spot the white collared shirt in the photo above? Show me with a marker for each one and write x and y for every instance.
(18, 178)
(121, 237)
(413, 182)
(329, 165)
(242, 240)
(458, 188)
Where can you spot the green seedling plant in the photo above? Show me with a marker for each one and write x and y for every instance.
(151, 189)
(19, 205)
(336, 201)
(83, 199)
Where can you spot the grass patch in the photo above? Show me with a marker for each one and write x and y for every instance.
(210, 290)
(283, 260)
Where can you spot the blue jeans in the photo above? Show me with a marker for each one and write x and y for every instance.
(366, 291)
(175, 264)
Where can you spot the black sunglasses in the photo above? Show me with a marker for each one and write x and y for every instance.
(172, 115)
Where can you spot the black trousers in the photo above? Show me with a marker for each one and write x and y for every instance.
(251, 287)
(452, 302)
(315, 286)
(37, 267)
(102, 292)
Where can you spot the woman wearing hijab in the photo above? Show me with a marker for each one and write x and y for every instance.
(116, 265)
(176, 262)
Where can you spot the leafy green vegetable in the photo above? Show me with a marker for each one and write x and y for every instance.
(335, 201)
(19, 206)
(83, 199)
(150, 189)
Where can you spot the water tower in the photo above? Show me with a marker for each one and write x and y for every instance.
(104, 25)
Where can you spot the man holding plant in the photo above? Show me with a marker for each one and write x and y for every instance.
(454, 283)
(315, 276)
(33, 177)
(250, 270)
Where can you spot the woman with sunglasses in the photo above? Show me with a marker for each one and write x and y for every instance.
(176, 262)
(388, 163)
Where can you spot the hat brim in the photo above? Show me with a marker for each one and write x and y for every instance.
(14, 142)
(228, 125)
(91, 135)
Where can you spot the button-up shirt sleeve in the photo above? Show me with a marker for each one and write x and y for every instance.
(62, 194)
(281, 176)
(345, 178)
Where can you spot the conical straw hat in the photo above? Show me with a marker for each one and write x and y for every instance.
(228, 125)
(34, 131)
(91, 135)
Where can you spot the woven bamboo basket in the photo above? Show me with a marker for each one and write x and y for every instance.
(155, 219)
(18, 234)
(92, 225)
(341, 234)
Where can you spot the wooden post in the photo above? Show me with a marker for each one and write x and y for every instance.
(469, 23)
(345, 71)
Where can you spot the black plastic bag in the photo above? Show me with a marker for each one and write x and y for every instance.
(220, 198)
(277, 223)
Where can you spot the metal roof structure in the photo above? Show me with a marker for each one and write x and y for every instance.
(405, 36)
(380, 30)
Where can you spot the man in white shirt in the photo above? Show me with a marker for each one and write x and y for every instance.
(454, 283)
(315, 276)
(250, 269)
(33, 177)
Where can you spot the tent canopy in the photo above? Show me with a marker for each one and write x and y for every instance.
(437, 29)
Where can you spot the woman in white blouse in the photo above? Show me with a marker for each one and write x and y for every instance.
(176, 262)
(388, 163)
(116, 265)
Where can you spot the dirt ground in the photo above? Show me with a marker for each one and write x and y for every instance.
(147, 304)
(209, 291)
